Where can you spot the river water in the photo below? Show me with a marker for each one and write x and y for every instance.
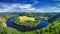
(42, 24)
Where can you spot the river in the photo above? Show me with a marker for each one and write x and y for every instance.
(42, 24)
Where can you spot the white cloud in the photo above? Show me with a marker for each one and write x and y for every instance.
(52, 9)
(16, 7)
(21, 5)
(58, 5)
(56, 0)
(5, 8)
(35, 1)
(27, 8)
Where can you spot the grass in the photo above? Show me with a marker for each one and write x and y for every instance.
(24, 18)
(26, 21)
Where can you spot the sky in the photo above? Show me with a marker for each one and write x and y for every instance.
(40, 6)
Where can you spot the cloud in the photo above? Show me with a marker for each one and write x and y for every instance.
(58, 5)
(52, 9)
(27, 8)
(5, 8)
(56, 0)
(35, 1)
(16, 7)
(22, 7)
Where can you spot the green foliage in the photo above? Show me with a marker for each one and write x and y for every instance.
(52, 28)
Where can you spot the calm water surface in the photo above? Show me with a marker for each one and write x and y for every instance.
(42, 24)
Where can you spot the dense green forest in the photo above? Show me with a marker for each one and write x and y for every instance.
(52, 28)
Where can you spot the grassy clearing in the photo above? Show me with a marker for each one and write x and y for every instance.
(26, 21)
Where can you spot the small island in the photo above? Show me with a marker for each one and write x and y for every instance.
(26, 21)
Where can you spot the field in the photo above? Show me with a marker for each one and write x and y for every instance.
(52, 28)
